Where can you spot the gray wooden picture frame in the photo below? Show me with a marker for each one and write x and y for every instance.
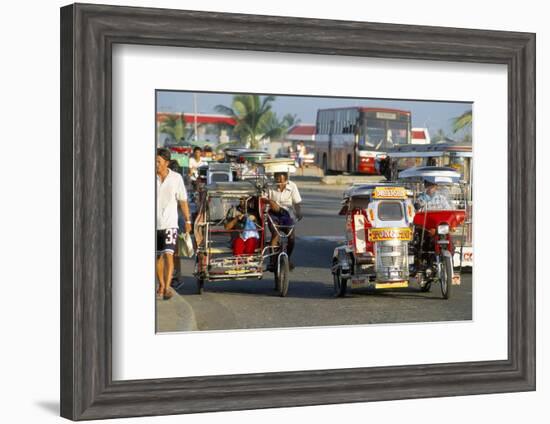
(88, 33)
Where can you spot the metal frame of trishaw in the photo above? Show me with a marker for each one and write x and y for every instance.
(214, 260)
(433, 244)
(455, 155)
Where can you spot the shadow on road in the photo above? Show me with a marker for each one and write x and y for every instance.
(299, 290)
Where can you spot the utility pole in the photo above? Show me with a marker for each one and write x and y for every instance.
(195, 111)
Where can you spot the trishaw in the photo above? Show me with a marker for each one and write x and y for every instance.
(454, 155)
(246, 166)
(379, 221)
(434, 242)
(215, 254)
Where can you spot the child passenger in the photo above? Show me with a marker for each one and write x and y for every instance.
(241, 218)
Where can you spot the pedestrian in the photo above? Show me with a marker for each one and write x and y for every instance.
(301, 149)
(170, 193)
(285, 209)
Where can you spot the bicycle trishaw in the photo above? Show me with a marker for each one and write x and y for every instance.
(216, 259)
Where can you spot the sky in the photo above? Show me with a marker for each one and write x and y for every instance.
(430, 114)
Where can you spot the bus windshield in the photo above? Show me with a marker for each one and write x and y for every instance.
(380, 134)
(375, 134)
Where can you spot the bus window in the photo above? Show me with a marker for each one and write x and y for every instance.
(375, 133)
(399, 132)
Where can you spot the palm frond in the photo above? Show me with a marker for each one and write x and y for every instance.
(462, 121)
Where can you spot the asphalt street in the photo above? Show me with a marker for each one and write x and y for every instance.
(310, 302)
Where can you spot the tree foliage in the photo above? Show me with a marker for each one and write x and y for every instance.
(255, 119)
(462, 122)
(173, 126)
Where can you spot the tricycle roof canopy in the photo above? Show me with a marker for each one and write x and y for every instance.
(367, 189)
(232, 188)
(431, 150)
(274, 165)
(433, 174)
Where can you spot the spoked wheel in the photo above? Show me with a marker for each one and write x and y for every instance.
(281, 275)
(340, 284)
(446, 277)
(200, 285)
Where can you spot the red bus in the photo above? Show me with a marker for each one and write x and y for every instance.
(350, 139)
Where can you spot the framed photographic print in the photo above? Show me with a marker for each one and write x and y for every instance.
(301, 211)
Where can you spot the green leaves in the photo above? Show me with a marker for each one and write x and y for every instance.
(255, 119)
(463, 121)
(173, 126)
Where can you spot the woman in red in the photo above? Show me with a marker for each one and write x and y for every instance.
(246, 241)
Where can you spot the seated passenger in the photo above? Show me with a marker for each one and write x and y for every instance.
(242, 218)
(433, 198)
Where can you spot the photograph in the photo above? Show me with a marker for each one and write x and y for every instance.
(277, 211)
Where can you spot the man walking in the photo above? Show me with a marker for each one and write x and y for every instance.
(170, 192)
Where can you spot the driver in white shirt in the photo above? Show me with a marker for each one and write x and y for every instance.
(285, 208)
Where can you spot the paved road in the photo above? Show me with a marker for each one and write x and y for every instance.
(310, 301)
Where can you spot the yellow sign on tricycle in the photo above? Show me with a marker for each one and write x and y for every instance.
(383, 234)
(389, 193)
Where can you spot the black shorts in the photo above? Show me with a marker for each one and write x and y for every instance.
(166, 240)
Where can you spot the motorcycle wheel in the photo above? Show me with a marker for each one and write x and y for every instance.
(340, 284)
(446, 277)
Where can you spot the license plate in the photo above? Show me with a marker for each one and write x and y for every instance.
(236, 271)
(395, 285)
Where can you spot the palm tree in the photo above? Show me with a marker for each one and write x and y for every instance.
(253, 115)
(463, 121)
(173, 126)
(290, 120)
(439, 136)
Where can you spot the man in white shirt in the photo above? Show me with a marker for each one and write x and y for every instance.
(285, 208)
(195, 162)
(433, 198)
(170, 192)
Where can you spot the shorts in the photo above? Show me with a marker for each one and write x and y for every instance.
(282, 218)
(166, 241)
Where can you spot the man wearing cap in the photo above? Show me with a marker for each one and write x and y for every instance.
(170, 193)
(433, 198)
(285, 208)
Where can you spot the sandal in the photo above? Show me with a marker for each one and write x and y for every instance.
(160, 293)
(168, 293)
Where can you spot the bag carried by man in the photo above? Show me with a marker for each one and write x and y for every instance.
(185, 247)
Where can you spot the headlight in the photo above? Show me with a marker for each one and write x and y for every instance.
(443, 229)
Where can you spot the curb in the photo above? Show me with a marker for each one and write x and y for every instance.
(175, 314)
